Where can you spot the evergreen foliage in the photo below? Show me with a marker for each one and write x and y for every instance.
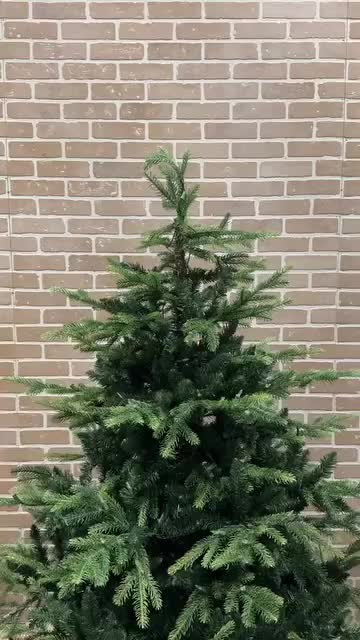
(197, 513)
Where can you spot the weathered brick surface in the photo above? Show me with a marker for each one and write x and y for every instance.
(265, 94)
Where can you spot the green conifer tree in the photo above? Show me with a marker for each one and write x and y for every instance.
(197, 514)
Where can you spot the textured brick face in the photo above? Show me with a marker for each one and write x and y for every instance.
(265, 95)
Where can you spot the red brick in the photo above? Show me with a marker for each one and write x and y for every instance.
(287, 90)
(63, 351)
(230, 130)
(257, 188)
(118, 169)
(88, 31)
(37, 225)
(260, 30)
(120, 208)
(314, 149)
(92, 188)
(308, 70)
(174, 51)
(259, 110)
(31, 70)
(31, 30)
(83, 281)
(319, 225)
(317, 29)
(35, 149)
(337, 90)
(23, 245)
(263, 70)
(286, 129)
(341, 50)
(59, 10)
(14, 50)
(135, 189)
(198, 71)
(39, 368)
(333, 281)
(135, 227)
(145, 31)
(16, 129)
(352, 188)
(117, 51)
(202, 31)
(140, 149)
(163, 131)
(64, 207)
(308, 334)
(349, 298)
(166, 10)
(348, 471)
(16, 206)
(62, 130)
(81, 263)
(349, 263)
(61, 168)
(230, 51)
(45, 437)
(316, 110)
(37, 299)
(116, 130)
(272, 226)
(258, 150)
(21, 454)
(116, 10)
(231, 91)
(61, 91)
(238, 10)
(309, 187)
(311, 262)
(15, 90)
(146, 71)
(174, 91)
(230, 170)
(89, 71)
(343, 454)
(145, 111)
(353, 150)
(90, 111)
(43, 263)
(117, 91)
(59, 51)
(311, 298)
(284, 50)
(90, 150)
(71, 245)
(295, 9)
(20, 520)
(338, 9)
(202, 111)
(351, 226)
(354, 30)
(273, 169)
(62, 316)
(14, 9)
(35, 110)
(94, 226)
(117, 245)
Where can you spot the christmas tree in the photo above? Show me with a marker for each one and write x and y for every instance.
(197, 513)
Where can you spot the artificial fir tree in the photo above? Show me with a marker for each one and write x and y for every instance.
(197, 513)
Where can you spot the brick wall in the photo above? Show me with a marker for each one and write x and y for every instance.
(265, 94)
